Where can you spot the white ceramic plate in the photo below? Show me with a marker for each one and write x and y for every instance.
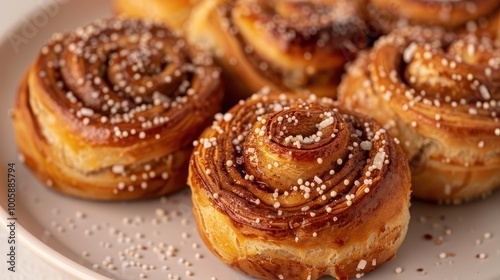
(100, 240)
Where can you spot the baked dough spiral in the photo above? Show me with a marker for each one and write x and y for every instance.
(480, 17)
(287, 45)
(290, 186)
(173, 13)
(110, 110)
(439, 94)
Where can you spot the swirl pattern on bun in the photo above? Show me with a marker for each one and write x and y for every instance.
(109, 110)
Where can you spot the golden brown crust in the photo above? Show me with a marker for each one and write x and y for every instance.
(109, 111)
(480, 17)
(288, 45)
(438, 93)
(174, 13)
(288, 185)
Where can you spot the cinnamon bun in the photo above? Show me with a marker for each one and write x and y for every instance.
(439, 94)
(290, 186)
(109, 110)
(287, 45)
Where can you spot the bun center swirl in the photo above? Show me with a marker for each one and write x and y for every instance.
(297, 140)
(144, 65)
(149, 67)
